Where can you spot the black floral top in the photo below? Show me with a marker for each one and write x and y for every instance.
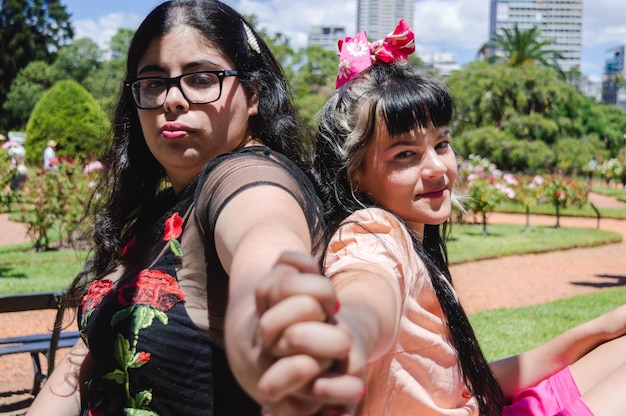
(154, 322)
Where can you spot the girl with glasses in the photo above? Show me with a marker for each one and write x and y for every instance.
(206, 183)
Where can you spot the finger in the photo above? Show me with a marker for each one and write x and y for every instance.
(305, 263)
(286, 376)
(339, 390)
(291, 406)
(317, 339)
(290, 311)
(285, 281)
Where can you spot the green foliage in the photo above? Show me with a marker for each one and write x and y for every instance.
(527, 119)
(7, 173)
(30, 30)
(76, 61)
(59, 199)
(27, 88)
(524, 47)
(613, 170)
(483, 187)
(68, 114)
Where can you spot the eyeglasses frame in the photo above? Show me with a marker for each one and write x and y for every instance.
(220, 73)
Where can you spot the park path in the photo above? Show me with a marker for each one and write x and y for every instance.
(514, 281)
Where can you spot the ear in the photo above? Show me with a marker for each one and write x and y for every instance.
(253, 103)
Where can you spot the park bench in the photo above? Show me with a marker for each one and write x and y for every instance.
(45, 344)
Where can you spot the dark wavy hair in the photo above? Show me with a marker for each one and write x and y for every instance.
(133, 178)
(402, 98)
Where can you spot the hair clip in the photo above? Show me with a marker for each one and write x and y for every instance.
(252, 40)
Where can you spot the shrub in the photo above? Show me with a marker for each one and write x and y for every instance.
(69, 115)
(484, 186)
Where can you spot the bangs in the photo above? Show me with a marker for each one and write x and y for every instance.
(412, 103)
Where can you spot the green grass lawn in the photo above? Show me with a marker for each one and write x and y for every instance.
(505, 332)
(466, 242)
(619, 193)
(24, 270)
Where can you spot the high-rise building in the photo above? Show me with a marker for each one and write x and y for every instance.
(380, 17)
(560, 21)
(326, 36)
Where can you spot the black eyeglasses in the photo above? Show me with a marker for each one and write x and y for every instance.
(201, 87)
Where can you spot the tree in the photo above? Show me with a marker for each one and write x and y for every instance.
(523, 47)
(27, 88)
(525, 118)
(30, 30)
(68, 114)
(77, 61)
(105, 82)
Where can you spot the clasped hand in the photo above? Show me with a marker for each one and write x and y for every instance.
(310, 370)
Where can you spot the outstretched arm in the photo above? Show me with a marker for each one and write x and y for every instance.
(527, 369)
(251, 233)
(308, 335)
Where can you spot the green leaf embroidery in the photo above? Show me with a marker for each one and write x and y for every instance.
(143, 317)
(116, 375)
(176, 249)
(121, 350)
(121, 315)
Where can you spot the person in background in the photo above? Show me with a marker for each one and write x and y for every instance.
(49, 156)
(206, 187)
(387, 167)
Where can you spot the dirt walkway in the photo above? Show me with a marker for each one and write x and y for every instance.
(514, 281)
(506, 282)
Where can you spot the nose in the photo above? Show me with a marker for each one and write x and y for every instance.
(433, 165)
(174, 99)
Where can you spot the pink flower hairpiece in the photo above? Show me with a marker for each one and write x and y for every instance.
(357, 54)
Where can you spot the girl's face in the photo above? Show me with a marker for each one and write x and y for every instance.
(183, 137)
(411, 175)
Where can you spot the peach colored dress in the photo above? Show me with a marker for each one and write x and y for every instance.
(419, 375)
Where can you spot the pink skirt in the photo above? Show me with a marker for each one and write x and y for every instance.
(555, 396)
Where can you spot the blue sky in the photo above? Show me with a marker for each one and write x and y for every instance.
(454, 26)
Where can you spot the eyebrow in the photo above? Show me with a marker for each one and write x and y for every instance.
(186, 67)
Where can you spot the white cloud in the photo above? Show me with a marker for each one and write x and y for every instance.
(102, 30)
(603, 22)
(294, 18)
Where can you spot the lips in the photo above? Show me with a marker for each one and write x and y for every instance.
(434, 193)
(174, 131)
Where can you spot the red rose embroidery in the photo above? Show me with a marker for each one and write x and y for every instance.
(173, 227)
(153, 288)
(144, 357)
(94, 412)
(96, 292)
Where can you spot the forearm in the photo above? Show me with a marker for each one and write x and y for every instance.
(61, 394)
(244, 354)
(527, 369)
(371, 306)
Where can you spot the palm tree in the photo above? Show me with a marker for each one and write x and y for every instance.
(521, 47)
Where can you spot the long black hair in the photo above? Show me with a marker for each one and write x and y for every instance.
(133, 179)
(403, 99)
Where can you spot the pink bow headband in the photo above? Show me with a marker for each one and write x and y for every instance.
(357, 54)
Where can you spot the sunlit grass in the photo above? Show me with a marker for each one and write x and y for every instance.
(467, 243)
(505, 332)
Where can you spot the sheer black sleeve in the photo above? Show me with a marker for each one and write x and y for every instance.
(229, 174)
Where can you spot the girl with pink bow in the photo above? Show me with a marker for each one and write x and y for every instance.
(385, 157)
